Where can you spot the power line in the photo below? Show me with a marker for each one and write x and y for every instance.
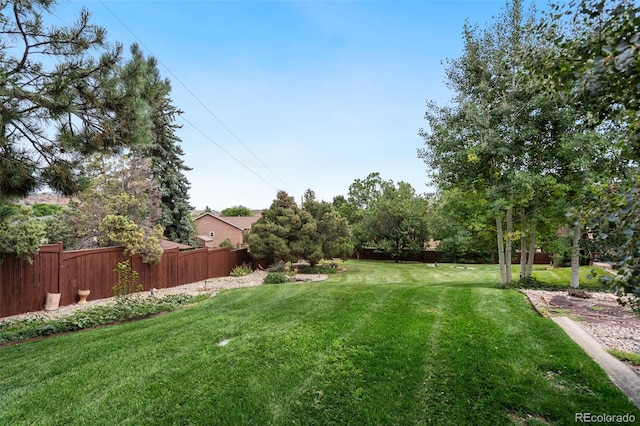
(204, 106)
(228, 153)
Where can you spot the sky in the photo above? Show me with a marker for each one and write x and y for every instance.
(295, 95)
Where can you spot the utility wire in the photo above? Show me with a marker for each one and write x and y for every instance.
(203, 105)
(228, 153)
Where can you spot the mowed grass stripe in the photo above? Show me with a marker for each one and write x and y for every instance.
(356, 349)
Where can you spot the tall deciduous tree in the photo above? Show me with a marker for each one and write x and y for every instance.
(237, 211)
(62, 96)
(595, 66)
(502, 134)
(120, 206)
(386, 216)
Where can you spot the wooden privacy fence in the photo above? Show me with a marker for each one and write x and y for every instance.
(24, 287)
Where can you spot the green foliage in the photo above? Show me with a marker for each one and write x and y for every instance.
(241, 271)
(318, 269)
(279, 266)
(226, 243)
(236, 211)
(284, 232)
(126, 281)
(116, 230)
(124, 309)
(64, 95)
(41, 209)
(21, 235)
(387, 216)
(165, 154)
(616, 224)
(593, 63)
(462, 223)
(120, 206)
(276, 278)
(333, 232)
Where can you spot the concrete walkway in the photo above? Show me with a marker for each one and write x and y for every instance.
(623, 376)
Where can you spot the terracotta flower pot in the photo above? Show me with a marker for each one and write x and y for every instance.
(83, 294)
(52, 302)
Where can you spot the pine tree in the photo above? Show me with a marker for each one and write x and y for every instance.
(63, 95)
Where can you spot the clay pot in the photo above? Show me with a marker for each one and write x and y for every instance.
(52, 302)
(83, 294)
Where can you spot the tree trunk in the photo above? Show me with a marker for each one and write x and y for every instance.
(532, 247)
(500, 236)
(575, 256)
(523, 244)
(507, 254)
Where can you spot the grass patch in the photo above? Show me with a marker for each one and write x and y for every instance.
(630, 357)
(380, 344)
(560, 278)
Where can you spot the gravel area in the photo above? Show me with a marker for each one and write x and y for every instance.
(211, 286)
(600, 315)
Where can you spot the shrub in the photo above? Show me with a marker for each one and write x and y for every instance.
(127, 280)
(278, 266)
(123, 310)
(241, 271)
(226, 243)
(276, 278)
(318, 269)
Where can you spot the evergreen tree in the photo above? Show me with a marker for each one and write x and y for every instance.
(59, 100)
(284, 232)
(166, 155)
(333, 230)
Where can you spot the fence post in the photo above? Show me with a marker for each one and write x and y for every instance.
(60, 265)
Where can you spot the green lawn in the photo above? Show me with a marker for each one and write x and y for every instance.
(381, 344)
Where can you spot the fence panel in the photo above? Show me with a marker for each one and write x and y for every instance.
(218, 262)
(159, 275)
(23, 287)
(89, 270)
(192, 266)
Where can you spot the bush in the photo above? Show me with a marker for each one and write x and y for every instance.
(278, 266)
(241, 271)
(276, 278)
(126, 308)
(226, 243)
(127, 280)
(318, 269)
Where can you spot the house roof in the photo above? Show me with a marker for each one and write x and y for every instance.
(241, 222)
(204, 238)
(166, 245)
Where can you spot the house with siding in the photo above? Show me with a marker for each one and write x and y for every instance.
(212, 230)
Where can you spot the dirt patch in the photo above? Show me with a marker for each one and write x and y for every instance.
(614, 326)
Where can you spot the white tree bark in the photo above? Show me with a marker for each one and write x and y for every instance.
(532, 248)
(575, 256)
(523, 244)
(507, 249)
(500, 237)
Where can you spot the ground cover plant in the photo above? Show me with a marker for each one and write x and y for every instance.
(379, 344)
(123, 309)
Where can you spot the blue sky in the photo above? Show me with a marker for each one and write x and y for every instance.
(321, 92)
